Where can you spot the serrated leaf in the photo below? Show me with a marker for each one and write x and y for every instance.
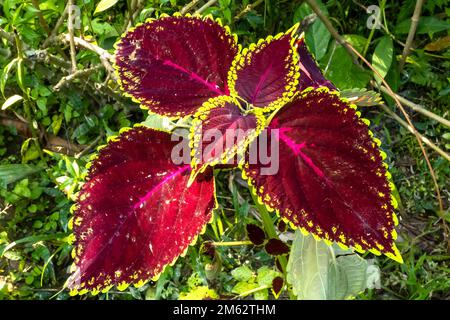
(382, 57)
(104, 5)
(10, 101)
(220, 131)
(266, 74)
(322, 140)
(135, 214)
(362, 97)
(158, 68)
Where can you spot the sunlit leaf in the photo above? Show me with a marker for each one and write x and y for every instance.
(174, 64)
(331, 179)
(382, 57)
(220, 130)
(135, 214)
(266, 74)
(104, 5)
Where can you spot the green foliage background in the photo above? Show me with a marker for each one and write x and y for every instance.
(47, 136)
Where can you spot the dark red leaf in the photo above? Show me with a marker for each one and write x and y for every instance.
(135, 214)
(220, 131)
(331, 180)
(266, 74)
(277, 286)
(255, 234)
(174, 64)
(281, 226)
(310, 74)
(276, 247)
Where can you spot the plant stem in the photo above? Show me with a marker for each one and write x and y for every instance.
(206, 6)
(269, 227)
(412, 32)
(410, 129)
(419, 108)
(230, 243)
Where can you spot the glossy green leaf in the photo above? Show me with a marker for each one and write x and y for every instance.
(339, 68)
(382, 57)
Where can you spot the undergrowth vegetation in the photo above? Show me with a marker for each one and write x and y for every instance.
(61, 100)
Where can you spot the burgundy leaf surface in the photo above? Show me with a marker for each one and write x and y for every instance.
(276, 247)
(220, 131)
(135, 213)
(256, 235)
(174, 64)
(266, 74)
(277, 285)
(310, 74)
(331, 180)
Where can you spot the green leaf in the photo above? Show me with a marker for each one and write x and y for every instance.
(427, 25)
(339, 67)
(317, 39)
(104, 5)
(362, 97)
(199, 293)
(10, 101)
(382, 57)
(321, 272)
(244, 287)
(158, 122)
(5, 74)
(266, 276)
(10, 173)
(242, 273)
(317, 35)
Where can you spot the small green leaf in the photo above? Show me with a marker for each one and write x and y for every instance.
(104, 5)
(382, 57)
(242, 273)
(10, 101)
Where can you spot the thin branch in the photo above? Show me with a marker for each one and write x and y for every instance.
(76, 75)
(91, 146)
(70, 26)
(419, 108)
(58, 24)
(42, 21)
(412, 32)
(410, 129)
(205, 6)
(247, 9)
(189, 6)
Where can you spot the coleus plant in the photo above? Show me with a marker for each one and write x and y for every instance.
(138, 210)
